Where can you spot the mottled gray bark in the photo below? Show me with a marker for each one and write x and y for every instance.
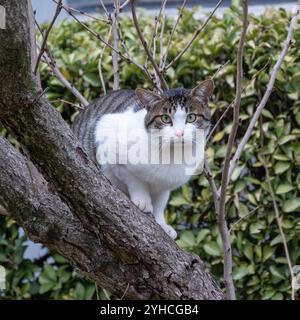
(65, 202)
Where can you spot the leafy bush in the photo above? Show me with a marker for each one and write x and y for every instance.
(260, 267)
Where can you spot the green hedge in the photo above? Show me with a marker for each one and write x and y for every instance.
(260, 268)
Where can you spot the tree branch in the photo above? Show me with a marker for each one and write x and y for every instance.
(267, 94)
(46, 35)
(194, 37)
(221, 217)
(276, 210)
(162, 82)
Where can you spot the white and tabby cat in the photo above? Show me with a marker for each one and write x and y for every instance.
(170, 120)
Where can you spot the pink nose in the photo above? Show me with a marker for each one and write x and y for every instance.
(179, 133)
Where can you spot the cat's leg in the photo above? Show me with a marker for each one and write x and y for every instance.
(159, 201)
(138, 190)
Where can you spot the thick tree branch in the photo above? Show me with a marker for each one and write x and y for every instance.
(161, 269)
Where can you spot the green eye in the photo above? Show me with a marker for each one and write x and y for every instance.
(166, 119)
(191, 117)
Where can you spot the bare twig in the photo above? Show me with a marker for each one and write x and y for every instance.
(115, 15)
(162, 30)
(195, 35)
(104, 8)
(49, 59)
(222, 223)
(213, 187)
(162, 85)
(126, 290)
(46, 35)
(172, 34)
(124, 4)
(68, 8)
(97, 36)
(267, 94)
(224, 114)
(52, 64)
(67, 102)
(242, 219)
(100, 62)
(220, 69)
(276, 210)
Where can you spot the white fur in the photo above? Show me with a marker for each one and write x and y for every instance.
(147, 184)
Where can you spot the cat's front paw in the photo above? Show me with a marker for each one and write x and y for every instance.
(143, 205)
(169, 230)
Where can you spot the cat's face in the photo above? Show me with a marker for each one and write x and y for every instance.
(178, 114)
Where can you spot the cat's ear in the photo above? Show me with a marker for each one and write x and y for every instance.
(203, 90)
(147, 97)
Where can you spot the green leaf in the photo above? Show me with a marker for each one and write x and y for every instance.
(212, 248)
(291, 205)
(276, 272)
(202, 234)
(284, 188)
(268, 252)
(281, 167)
(188, 238)
(240, 272)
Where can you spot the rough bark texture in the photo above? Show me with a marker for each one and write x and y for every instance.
(62, 199)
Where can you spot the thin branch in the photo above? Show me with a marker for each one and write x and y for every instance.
(212, 183)
(224, 114)
(242, 219)
(161, 38)
(46, 35)
(49, 59)
(52, 64)
(124, 4)
(194, 37)
(67, 102)
(276, 210)
(104, 8)
(100, 61)
(97, 36)
(222, 224)
(220, 69)
(163, 85)
(115, 15)
(154, 34)
(172, 34)
(267, 94)
(68, 8)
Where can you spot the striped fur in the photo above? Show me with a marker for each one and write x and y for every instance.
(113, 102)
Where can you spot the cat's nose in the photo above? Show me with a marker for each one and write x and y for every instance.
(179, 133)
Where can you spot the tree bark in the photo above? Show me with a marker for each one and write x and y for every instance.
(64, 201)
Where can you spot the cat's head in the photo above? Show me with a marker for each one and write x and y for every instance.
(178, 113)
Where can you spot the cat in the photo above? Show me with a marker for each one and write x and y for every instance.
(125, 120)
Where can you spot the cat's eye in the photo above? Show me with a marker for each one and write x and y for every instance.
(191, 117)
(166, 119)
